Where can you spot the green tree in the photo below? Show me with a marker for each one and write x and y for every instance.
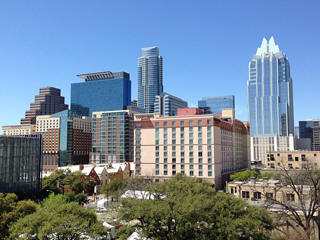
(115, 188)
(187, 208)
(57, 219)
(11, 210)
(244, 175)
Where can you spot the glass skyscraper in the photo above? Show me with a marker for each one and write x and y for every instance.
(269, 87)
(215, 105)
(149, 78)
(102, 91)
(167, 104)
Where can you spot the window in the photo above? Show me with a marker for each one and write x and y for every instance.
(165, 154)
(182, 148)
(191, 166)
(200, 135)
(200, 160)
(190, 148)
(173, 141)
(181, 123)
(296, 159)
(157, 141)
(138, 124)
(208, 121)
(200, 173)
(182, 129)
(157, 160)
(190, 141)
(174, 123)
(173, 154)
(165, 172)
(209, 141)
(245, 194)
(174, 160)
(257, 195)
(157, 172)
(200, 167)
(191, 160)
(165, 124)
(157, 166)
(165, 160)
(181, 135)
(165, 141)
(209, 174)
(165, 148)
(191, 173)
(157, 148)
(190, 135)
(289, 157)
(157, 124)
(191, 154)
(199, 141)
(173, 148)
(182, 167)
(303, 157)
(200, 154)
(182, 141)
(173, 172)
(290, 197)
(269, 196)
(165, 166)
(290, 165)
(200, 122)
(209, 154)
(157, 154)
(190, 123)
(182, 160)
(209, 167)
(182, 154)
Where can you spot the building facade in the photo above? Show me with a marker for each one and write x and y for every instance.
(66, 138)
(269, 88)
(293, 159)
(49, 101)
(102, 91)
(260, 145)
(20, 168)
(167, 105)
(150, 78)
(215, 105)
(203, 146)
(112, 140)
(311, 129)
(16, 130)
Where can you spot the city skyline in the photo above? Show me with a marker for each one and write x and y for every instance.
(192, 61)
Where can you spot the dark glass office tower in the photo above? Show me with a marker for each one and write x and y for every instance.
(149, 78)
(49, 101)
(102, 91)
(311, 129)
(20, 168)
(215, 105)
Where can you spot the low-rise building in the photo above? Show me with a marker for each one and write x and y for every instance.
(263, 191)
(293, 159)
(201, 145)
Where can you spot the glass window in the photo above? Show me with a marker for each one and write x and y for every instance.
(191, 160)
(200, 160)
(181, 123)
(210, 174)
(209, 167)
(190, 148)
(157, 172)
(199, 122)
(165, 124)
(191, 123)
(165, 172)
(200, 173)
(173, 141)
(208, 121)
(157, 166)
(165, 160)
(165, 148)
(191, 166)
(157, 160)
(182, 160)
(174, 123)
(182, 167)
(138, 124)
(157, 124)
(181, 148)
(191, 173)
(182, 141)
(165, 166)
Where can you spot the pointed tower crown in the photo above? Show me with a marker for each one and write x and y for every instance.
(268, 47)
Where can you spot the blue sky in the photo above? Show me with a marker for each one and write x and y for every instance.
(205, 44)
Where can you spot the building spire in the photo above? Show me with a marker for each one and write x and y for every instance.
(268, 47)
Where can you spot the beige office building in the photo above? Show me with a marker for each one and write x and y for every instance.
(203, 146)
(16, 130)
(293, 159)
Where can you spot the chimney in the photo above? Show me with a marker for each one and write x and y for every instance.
(81, 167)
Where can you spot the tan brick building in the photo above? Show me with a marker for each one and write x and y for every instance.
(203, 146)
(16, 130)
(293, 159)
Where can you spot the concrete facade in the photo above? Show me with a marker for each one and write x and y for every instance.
(203, 146)
(16, 130)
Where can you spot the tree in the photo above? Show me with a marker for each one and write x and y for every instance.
(61, 180)
(115, 188)
(11, 210)
(249, 173)
(301, 208)
(187, 208)
(57, 219)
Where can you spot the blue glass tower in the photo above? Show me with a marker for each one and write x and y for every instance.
(167, 105)
(103, 91)
(215, 105)
(269, 87)
(149, 78)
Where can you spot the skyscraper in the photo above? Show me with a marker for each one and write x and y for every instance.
(102, 91)
(167, 104)
(49, 101)
(149, 78)
(269, 87)
(215, 105)
(311, 129)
